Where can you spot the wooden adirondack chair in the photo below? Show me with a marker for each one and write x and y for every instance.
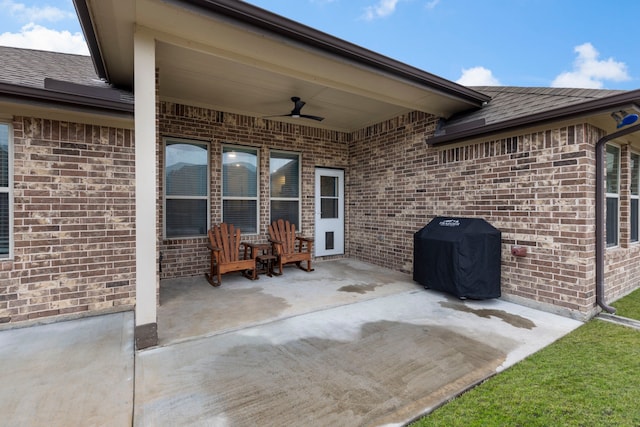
(226, 255)
(288, 247)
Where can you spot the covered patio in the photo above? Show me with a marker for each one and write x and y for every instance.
(348, 344)
(190, 308)
(225, 75)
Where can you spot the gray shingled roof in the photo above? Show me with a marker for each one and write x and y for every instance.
(509, 102)
(517, 107)
(74, 73)
(30, 68)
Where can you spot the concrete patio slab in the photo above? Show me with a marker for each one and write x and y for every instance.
(347, 345)
(190, 307)
(73, 373)
(381, 361)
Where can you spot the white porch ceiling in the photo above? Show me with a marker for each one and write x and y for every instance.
(209, 60)
(195, 78)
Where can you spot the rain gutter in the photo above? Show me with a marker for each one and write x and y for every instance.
(81, 102)
(600, 214)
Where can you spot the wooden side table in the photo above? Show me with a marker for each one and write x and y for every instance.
(262, 252)
(267, 262)
(252, 250)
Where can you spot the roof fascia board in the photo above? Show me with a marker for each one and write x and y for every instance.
(624, 100)
(90, 36)
(83, 103)
(260, 18)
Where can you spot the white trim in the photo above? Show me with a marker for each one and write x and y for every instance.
(206, 197)
(337, 225)
(634, 197)
(9, 191)
(288, 199)
(614, 195)
(145, 170)
(257, 196)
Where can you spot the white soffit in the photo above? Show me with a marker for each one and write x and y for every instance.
(212, 61)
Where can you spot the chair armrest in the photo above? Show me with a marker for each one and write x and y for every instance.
(305, 244)
(277, 246)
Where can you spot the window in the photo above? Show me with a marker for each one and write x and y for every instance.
(613, 194)
(329, 197)
(635, 195)
(186, 182)
(6, 199)
(240, 188)
(285, 187)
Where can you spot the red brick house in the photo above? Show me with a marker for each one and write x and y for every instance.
(101, 196)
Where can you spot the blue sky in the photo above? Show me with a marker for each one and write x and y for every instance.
(562, 43)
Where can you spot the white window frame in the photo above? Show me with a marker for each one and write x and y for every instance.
(164, 186)
(299, 198)
(257, 196)
(615, 196)
(9, 190)
(635, 197)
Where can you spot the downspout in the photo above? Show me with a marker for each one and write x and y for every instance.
(600, 214)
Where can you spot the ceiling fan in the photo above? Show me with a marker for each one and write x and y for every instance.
(297, 106)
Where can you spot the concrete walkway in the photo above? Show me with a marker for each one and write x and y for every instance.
(370, 362)
(75, 373)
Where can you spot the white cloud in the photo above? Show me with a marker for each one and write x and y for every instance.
(478, 76)
(589, 72)
(380, 10)
(33, 36)
(23, 13)
(432, 4)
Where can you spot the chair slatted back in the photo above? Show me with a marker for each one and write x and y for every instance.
(285, 232)
(227, 238)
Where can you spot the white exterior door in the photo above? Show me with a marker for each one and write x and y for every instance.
(329, 236)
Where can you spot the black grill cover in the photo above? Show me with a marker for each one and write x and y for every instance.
(460, 256)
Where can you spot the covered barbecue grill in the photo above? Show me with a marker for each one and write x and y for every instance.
(460, 256)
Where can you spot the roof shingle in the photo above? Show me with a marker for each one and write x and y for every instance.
(30, 68)
(509, 102)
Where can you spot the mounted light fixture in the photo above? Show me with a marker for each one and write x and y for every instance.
(623, 118)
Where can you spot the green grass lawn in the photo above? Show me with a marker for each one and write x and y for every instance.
(591, 377)
(628, 306)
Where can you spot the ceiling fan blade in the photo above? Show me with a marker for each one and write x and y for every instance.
(306, 116)
(295, 113)
(296, 116)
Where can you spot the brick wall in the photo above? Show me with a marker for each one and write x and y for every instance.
(317, 147)
(73, 221)
(74, 210)
(537, 188)
(389, 195)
